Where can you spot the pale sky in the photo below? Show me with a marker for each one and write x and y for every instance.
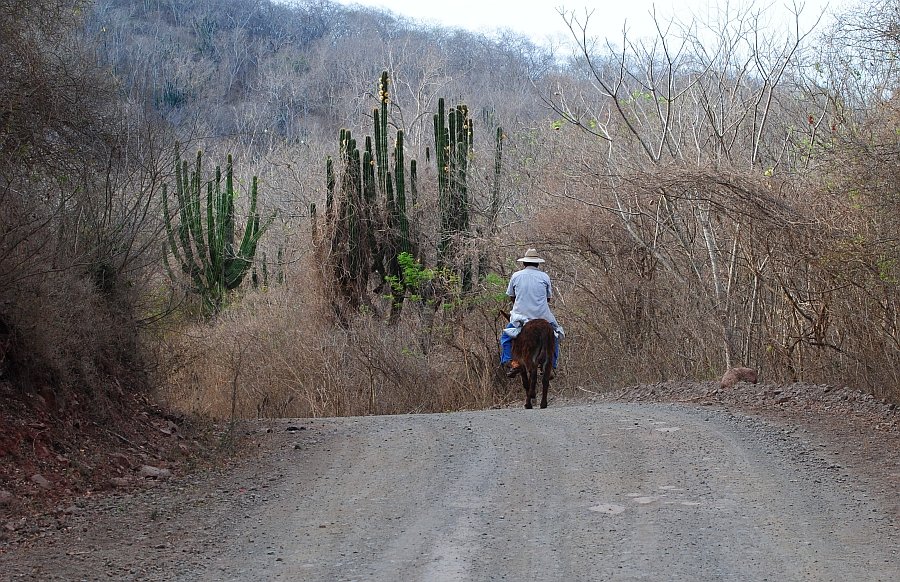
(540, 20)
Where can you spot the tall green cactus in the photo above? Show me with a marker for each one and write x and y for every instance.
(413, 183)
(205, 249)
(402, 218)
(453, 134)
(381, 139)
(329, 187)
(442, 159)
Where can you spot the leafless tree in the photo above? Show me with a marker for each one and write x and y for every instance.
(670, 114)
(77, 176)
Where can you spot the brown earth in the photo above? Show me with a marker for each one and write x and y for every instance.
(54, 453)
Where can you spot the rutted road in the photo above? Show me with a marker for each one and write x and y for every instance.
(587, 492)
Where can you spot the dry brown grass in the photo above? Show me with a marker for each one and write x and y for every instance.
(280, 354)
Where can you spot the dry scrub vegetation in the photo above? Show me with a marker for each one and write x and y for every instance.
(76, 218)
(280, 353)
(807, 302)
(701, 205)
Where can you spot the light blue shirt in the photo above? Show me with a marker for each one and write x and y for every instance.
(532, 288)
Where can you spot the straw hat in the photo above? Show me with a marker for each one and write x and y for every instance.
(531, 256)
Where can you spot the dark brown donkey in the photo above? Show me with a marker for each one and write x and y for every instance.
(533, 349)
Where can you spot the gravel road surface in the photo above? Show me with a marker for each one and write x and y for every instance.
(600, 491)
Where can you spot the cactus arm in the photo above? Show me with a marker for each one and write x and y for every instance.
(184, 233)
(413, 183)
(212, 240)
(381, 139)
(441, 156)
(400, 175)
(329, 189)
(170, 232)
(238, 264)
(194, 221)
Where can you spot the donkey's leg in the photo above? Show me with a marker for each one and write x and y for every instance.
(545, 381)
(532, 383)
(525, 385)
(547, 369)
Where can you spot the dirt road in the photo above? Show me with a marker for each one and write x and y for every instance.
(602, 491)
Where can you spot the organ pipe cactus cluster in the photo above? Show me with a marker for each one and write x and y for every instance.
(350, 238)
(202, 239)
(366, 214)
(367, 227)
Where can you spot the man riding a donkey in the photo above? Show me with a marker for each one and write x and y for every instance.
(530, 291)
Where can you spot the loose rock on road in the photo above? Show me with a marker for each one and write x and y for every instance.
(587, 492)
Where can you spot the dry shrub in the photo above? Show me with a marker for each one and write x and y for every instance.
(69, 342)
(809, 293)
(626, 319)
(279, 353)
(72, 222)
(858, 264)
